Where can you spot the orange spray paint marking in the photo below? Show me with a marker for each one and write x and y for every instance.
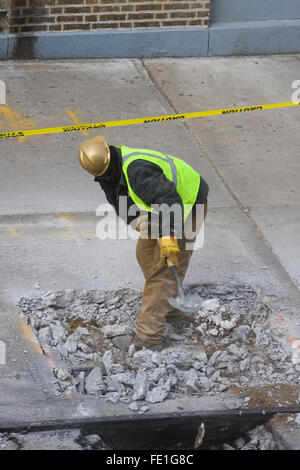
(69, 233)
(13, 232)
(48, 354)
(70, 397)
(16, 121)
(29, 335)
(70, 218)
(291, 339)
(72, 114)
(280, 319)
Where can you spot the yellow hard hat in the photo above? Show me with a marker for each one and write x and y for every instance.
(94, 155)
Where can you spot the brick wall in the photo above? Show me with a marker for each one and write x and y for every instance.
(28, 16)
(3, 15)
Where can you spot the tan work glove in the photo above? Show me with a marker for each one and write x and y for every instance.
(169, 249)
(142, 225)
(146, 227)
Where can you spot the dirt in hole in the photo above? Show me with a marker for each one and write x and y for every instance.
(95, 340)
(279, 395)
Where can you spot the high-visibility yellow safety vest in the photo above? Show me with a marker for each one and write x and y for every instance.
(185, 178)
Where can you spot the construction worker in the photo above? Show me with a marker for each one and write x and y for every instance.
(148, 178)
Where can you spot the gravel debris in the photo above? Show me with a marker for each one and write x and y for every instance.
(228, 343)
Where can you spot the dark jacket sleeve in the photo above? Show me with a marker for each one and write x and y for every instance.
(113, 199)
(150, 184)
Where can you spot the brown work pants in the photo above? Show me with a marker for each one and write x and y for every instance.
(155, 309)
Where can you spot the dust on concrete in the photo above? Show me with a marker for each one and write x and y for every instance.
(73, 439)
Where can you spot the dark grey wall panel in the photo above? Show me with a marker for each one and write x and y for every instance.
(150, 42)
(3, 46)
(255, 37)
(251, 10)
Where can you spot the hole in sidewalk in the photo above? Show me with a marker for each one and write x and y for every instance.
(178, 437)
(228, 347)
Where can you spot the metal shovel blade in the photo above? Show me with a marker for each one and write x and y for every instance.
(186, 303)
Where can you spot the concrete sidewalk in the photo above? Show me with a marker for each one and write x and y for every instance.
(250, 161)
(255, 155)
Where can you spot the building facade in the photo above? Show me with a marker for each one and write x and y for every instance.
(58, 29)
(27, 16)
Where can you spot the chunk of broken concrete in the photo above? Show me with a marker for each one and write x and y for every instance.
(110, 331)
(108, 361)
(45, 336)
(94, 383)
(141, 386)
(157, 394)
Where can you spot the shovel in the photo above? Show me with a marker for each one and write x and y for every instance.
(186, 303)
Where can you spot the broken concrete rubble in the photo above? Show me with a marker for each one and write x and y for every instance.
(59, 334)
(110, 331)
(223, 346)
(157, 394)
(141, 386)
(94, 382)
(45, 335)
(108, 361)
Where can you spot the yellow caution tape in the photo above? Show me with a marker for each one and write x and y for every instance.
(145, 120)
